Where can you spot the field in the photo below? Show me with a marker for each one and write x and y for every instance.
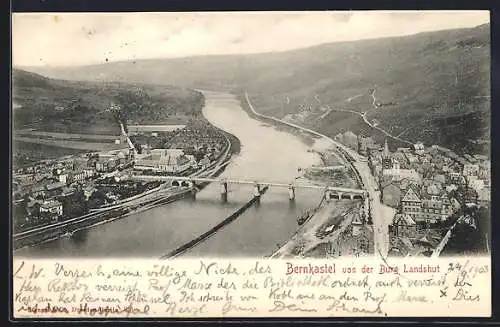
(66, 136)
(29, 153)
(76, 145)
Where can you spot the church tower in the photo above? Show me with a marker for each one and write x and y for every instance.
(386, 157)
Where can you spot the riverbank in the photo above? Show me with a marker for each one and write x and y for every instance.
(319, 236)
(308, 240)
(68, 227)
(308, 140)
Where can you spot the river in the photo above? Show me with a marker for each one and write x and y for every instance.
(266, 154)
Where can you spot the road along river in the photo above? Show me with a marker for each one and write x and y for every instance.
(266, 154)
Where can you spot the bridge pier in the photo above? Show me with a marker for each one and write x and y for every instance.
(193, 192)
(256, 194)
(223, 191)
(256, 190)
(291, 193)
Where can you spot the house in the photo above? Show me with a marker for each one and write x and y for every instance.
(68, 191)
(161, 160)
(403, 226)
(63, 178)
(484, 174)
(412, 160)
(107, 161)
(419, 148)
(470, 195)
(102, 166)
(91, 162)
(430, 203)
(455, 205)
(53, 206)
(411, 203)
(54, 188)
(475, 183)
(76, 176)
(402, 160)
(484, 197)
(39, 191)
(454, 176)
(436, 206)
(470, 169)
(398, 172)
(470, 158)
(204, 162)
(88, 191)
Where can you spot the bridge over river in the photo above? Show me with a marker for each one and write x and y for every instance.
(267, 154)
(331, 192)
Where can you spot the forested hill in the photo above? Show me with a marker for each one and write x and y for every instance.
(430, 86)
(71, 106)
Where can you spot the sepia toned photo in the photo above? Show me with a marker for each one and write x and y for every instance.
(162, 151)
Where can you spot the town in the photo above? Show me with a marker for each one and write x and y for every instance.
(52, 191)
(431, 189)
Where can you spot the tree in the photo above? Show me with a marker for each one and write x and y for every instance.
(76, 205)
(97, 199)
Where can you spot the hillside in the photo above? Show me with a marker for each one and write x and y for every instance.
(83, 107)
(428, 87)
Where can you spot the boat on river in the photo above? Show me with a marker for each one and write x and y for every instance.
(302, 218)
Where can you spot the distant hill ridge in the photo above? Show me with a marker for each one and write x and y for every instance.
(60, 105)
(419, 81)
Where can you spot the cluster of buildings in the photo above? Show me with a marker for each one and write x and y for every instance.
(193, 147)
(44, 192)
(423, 182)
(170, 161)
(200, 139)
(41, 190)
(357, 239)
(426, 185)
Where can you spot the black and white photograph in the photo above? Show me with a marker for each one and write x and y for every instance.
(278, 135)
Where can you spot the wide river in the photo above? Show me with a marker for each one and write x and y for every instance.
(266, 154)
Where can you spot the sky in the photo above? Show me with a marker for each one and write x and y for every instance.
(65, 39)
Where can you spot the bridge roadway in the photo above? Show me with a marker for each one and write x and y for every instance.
(241, 181)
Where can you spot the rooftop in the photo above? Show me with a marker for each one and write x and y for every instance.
(51, 204)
